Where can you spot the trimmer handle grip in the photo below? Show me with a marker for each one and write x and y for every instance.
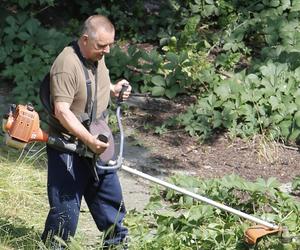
(103, 138)
(120, 97)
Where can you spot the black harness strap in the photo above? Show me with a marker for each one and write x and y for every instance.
(90, 107)
(94, 111)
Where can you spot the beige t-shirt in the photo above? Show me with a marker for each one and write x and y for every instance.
(68, 83)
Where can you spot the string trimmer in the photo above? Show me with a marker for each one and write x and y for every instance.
(22, 125)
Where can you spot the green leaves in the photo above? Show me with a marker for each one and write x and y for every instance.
(158, 91)
(295, 5)
(297, 118)
(223, 91)
(178, 223)
(241, 59)
(158, 81)
(296, 183)
(27, 51)
(271, 3)
(246, 104)
(274, 101)
(31, 26)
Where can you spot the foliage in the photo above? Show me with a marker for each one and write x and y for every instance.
(241, 59)
(27, 51)
(22, 4)
(175, 221)
(296, 183)
(249, 102)
(223, 51)
(161, 75)
(266, 103)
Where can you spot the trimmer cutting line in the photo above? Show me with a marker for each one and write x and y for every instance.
(22, 125)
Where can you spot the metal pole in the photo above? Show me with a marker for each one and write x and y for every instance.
(199, 197)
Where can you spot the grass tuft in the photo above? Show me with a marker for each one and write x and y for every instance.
(23, 202)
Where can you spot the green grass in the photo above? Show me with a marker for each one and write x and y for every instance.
(170, 221)
(23, 200)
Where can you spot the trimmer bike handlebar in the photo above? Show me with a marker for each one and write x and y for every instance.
(114, 165)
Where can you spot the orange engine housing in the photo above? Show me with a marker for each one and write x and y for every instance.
(24, 125)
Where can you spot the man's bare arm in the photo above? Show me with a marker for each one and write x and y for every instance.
(67, 118)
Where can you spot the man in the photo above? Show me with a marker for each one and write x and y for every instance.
(71, 176)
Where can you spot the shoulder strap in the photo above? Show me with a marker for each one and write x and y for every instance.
(90, 109)
(94, 111)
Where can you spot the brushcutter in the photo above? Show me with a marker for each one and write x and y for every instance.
(21, 125)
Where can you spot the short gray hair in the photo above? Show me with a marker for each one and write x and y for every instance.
(94, 23)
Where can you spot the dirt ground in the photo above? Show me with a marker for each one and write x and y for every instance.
(176, 151)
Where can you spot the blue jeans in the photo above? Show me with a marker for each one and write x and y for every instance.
(69, 178)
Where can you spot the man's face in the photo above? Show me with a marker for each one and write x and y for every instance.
(99, 45)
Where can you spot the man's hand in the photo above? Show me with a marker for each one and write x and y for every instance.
(67, 118)
(97, 146)
(116, 88)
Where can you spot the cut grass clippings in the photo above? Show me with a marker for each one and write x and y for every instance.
(23, 202)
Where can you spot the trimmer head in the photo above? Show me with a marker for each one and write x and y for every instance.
(256, 232)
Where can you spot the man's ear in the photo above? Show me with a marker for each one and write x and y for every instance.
(85, 39)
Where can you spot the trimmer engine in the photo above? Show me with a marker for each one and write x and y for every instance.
(21, 125)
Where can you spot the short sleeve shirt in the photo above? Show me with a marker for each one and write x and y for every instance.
(68, 82)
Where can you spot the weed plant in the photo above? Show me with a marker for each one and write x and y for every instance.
(176, 222)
